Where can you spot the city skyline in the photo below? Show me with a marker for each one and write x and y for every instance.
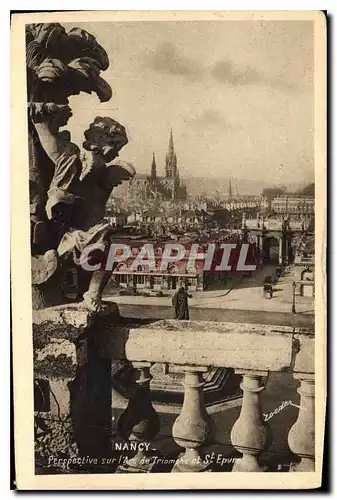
(207, 186)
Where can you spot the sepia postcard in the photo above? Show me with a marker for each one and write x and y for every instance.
(168, 250)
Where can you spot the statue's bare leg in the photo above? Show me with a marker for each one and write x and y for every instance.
(93, 297)
(43, 266)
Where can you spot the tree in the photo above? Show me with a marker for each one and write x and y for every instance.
(272, 192)
(308, 190)
(221, 217)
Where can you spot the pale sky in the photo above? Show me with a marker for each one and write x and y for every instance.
(238, 95)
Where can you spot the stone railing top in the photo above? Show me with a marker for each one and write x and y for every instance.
(242, 346)
(217, 326)
(201, 343)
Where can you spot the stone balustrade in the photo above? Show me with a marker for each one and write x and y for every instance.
(193, 347)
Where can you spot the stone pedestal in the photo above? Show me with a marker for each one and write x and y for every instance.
(54, 372)
(72, 384)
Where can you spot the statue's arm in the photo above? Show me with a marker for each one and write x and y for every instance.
(47, 119)
(52, 145)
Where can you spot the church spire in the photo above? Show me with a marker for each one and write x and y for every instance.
(153, 168)
(171, 146)
(171, 159)
(230, 191)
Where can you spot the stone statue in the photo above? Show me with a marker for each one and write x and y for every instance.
(69, 187)
(81, 185)
(59, 65)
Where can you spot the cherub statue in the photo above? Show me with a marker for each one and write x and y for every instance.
(59, 65)
(81, 185)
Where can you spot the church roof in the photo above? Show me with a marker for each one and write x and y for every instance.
(140, 176)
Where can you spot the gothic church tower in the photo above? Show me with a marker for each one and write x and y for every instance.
(154, 170)
(171, 161)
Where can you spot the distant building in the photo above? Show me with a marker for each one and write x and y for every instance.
(293, 205)
(145, 187)
(134, 217)
(153, 216)
(180, 273)
(117, 219)
(193, 217)
(173, 216)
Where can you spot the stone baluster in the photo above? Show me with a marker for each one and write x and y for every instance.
(194, 427)
(250, 434)
(139, 423)
(301, 438)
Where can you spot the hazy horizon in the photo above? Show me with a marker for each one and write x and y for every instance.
(238, 95)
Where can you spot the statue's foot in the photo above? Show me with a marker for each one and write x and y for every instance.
(44, 266)
(92, 302)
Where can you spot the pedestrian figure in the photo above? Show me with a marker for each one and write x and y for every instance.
(180, 303)
(268, 287)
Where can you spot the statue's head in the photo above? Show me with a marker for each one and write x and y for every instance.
(105, 137)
